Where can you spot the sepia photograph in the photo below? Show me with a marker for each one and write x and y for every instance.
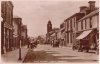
(49, 31)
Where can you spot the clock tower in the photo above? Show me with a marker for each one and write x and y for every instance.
(49, 26)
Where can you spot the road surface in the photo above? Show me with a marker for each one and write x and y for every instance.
(46, 53)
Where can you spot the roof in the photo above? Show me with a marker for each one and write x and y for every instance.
(15, 16)
(24, 26)
(89, 15)
(74, 15)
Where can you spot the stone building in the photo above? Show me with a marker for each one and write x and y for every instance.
(54, 35)
(6, 26)
(17, 21)
(70, 24)
(24, 35)
(62, 34)
(87, 28)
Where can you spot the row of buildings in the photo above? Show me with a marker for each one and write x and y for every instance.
(83, 25)
(51, 33)
(12, 29)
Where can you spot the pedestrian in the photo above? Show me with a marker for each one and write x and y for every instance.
(61, 42)
(28, 42)
(31, 45)
(53, 43)
(58, 43)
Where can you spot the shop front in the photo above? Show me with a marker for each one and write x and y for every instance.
(87, 40)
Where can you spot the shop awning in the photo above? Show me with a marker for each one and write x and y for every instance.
(84, 34)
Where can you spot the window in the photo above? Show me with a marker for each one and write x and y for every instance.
(67, 37)
(85, 23)
(70, 37)
(81, 25)
(90, 22)
(68, 24)
(76, 26)
(74, 22)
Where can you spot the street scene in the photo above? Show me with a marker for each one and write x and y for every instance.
(50, 31)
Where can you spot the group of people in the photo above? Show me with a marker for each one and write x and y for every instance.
(33, 43)
(57, 42)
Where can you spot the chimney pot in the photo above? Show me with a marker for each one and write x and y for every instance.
(92, 5)
(83, 8)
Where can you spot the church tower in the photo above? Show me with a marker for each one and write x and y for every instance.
(49, 26)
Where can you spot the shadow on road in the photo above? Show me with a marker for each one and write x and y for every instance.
(43, 56)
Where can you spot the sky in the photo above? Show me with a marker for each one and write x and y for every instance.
(36, 14)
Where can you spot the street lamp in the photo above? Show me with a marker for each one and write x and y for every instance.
(20, 41)
(20, 51)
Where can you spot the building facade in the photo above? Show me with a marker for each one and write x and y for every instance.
(87, 28)
(62, 34)
(54, 36)
(17, 21)
(6, 26)
(70, 25)
(87, 32)
(24, 34)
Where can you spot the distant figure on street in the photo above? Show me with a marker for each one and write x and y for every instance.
(58, 42)
(28, 42)
(33, 44)
(62, 42)
(51, 42)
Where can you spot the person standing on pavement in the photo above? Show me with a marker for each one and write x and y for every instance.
(61, 42)
(58, 42)
(28, 42)
(52, 42)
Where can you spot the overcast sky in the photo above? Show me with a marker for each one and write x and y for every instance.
(36, 14)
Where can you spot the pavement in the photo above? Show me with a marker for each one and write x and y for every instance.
(12, 56)
(48, 54)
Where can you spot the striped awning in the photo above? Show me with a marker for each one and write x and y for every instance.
(84, 34)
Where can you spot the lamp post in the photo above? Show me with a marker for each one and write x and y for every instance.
(20, 41)
(20, 52)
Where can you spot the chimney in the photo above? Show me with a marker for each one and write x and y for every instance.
(83, 8)
(87, 12)
(92, 5)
